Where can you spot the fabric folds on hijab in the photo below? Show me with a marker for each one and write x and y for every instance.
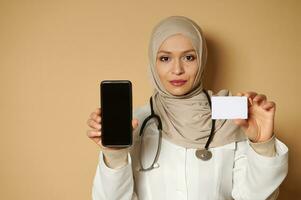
(186, 119)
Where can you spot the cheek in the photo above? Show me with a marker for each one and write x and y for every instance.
(195, 72)
(162, 71)
(192, 71)
(195, 69)
(192, 68)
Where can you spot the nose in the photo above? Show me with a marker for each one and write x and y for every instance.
(178, 67)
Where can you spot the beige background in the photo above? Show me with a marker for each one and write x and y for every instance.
(53, 54)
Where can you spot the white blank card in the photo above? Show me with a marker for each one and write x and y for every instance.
(233, 107)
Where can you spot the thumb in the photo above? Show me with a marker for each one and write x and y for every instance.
(241, 122)
(135, 123)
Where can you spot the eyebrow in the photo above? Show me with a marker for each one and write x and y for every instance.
(168, 52)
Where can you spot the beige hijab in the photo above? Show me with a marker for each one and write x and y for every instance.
(186, 119)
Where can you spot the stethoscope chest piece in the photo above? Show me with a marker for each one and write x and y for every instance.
(203, 154)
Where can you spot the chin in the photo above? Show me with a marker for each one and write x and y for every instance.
(178, 93)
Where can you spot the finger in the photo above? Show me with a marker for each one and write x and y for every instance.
(93, 133)
(98, 111)
(250, 102)
(97, 139)
(98, 119)
(95, 117)
(93, 124)
(269, 105)
(239, 94)
(259, 98)
(135, 123)
(241, 122)
(250, 94)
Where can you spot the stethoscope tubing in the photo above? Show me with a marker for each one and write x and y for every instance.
(203, 154)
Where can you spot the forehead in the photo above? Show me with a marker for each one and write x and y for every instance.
(177, 42)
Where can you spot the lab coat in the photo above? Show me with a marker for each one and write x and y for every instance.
(235, 171)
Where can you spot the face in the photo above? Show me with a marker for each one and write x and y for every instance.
(176, 64)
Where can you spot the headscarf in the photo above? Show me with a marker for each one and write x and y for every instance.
(186, 119)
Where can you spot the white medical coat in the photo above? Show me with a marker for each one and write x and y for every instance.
(235, 171)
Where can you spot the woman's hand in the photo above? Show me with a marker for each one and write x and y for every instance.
(259, 126)
(95, 134)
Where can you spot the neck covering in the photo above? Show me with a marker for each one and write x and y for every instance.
(186, 119)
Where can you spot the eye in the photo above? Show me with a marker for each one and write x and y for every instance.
(190, 57)
(164, 58)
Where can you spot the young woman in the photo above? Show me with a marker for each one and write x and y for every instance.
(181, 153)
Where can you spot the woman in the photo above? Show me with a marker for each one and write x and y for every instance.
(244, 159)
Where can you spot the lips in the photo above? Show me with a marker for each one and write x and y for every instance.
(179, 82)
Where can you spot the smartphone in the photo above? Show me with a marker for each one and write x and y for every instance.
(116, 113)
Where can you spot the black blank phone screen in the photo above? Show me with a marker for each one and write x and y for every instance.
(116, 112)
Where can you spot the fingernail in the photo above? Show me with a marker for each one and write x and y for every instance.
(250, 100)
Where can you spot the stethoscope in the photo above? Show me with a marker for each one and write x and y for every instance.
(203, 154)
